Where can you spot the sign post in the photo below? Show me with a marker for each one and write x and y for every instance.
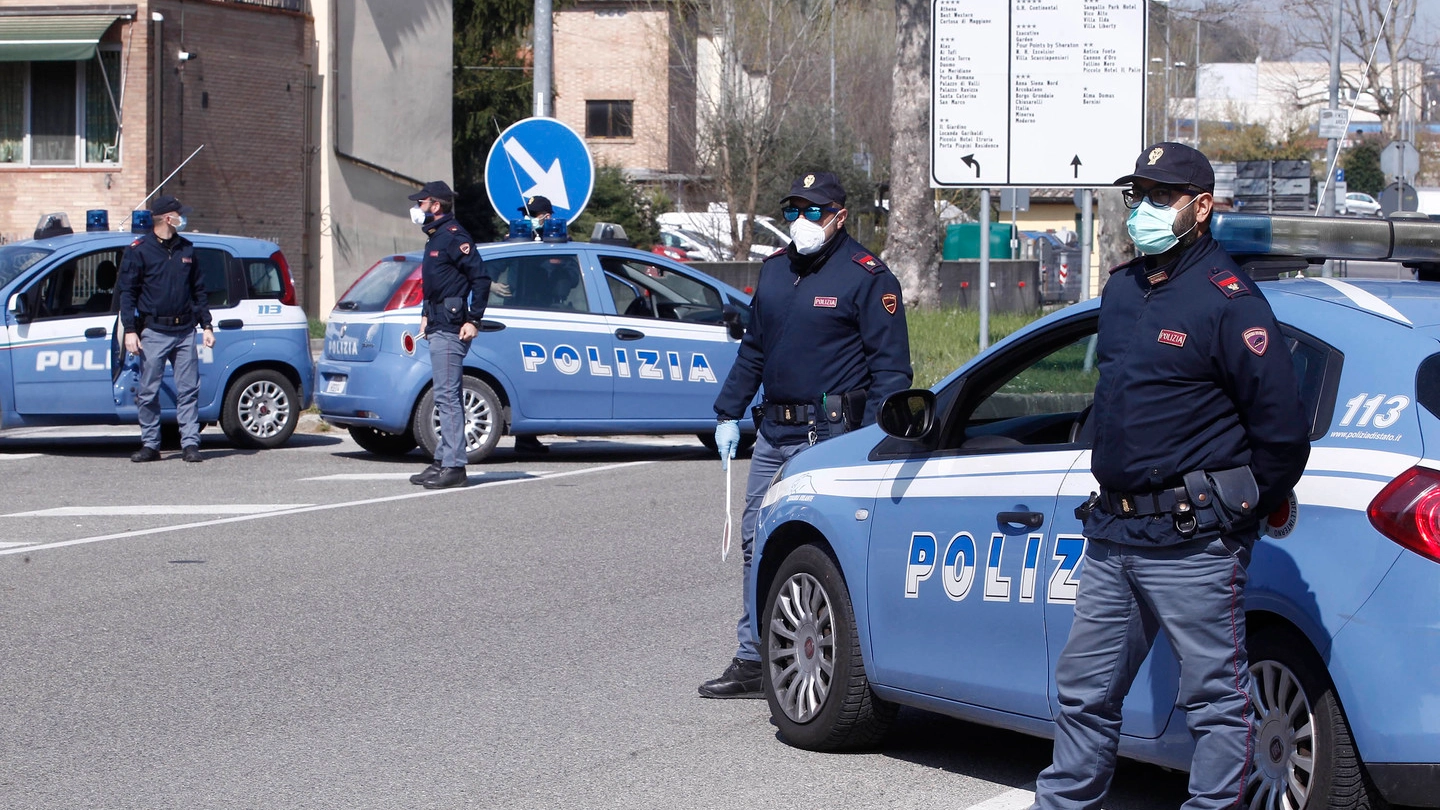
(539, 156)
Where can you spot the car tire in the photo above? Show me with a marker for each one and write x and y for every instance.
(381, 443)
(808, 628)
(1305, 756)
(747, 441)
(260, 409)
(483, 421)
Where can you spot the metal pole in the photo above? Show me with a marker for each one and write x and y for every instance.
(1197, 83)
(1332, 146)
(984, 292)
(832, 72)
(1087, 234)
(544, 58)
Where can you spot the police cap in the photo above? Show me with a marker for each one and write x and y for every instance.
(1173, 164)
(537, 205)
(435, 190)
(165, 204)
(818, 188)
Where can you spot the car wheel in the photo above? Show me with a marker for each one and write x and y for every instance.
(1305, 756)
(260, 409)
(381, 443)
(813, 674)
(482, 421)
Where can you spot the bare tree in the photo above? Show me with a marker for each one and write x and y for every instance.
(912, 235)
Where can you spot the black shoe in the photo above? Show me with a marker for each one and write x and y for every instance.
(426, 475)
(449, 477)
(145, 454)
(739, 680)
(191, 453)
(529, 444)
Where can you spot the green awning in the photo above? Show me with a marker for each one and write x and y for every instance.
(68, 37)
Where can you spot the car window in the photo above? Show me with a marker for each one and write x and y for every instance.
(626, 294)
(1317, 372)
(1039, 394)
(262, 279)
(213, 266)
(550, 281)
(373, 291)
(78, 287)
(15, 260)
(665, 293)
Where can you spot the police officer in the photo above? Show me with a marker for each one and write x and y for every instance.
(456, 289)
(162, 300)
(827, 338)
(1198, 432)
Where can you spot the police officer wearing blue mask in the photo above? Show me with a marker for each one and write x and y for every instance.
(827, 338)
(1199, 433)
(162, 300)
(456, 289)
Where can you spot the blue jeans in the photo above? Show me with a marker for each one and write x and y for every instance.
(177, 348)
(447, 367)
(1195, 591)
(764, 461)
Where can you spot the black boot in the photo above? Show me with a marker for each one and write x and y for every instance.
(426, 475)
(739, 680)
(448, 477)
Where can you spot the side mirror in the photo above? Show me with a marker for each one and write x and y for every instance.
(730, 314)
(908, 414)
(17, 308)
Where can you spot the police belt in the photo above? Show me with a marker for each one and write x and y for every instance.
(161, 320)
(789, 413)
(1142, 504)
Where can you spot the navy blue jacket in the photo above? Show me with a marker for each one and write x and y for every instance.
(162, 279)
(1194, 375)
(453, 277)
(822, 324)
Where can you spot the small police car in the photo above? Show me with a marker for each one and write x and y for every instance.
(933, 560)
(62, 359)
(579, 338)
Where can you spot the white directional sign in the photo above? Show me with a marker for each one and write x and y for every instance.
(539, 157)
(1036, 92)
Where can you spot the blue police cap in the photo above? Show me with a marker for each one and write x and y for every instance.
(537, 205)
(1173, 164)
(165, 204)
(818, 188)
(435, 189)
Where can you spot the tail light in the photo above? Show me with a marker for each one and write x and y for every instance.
(1407, 511)
(287, 293)
(408, 294)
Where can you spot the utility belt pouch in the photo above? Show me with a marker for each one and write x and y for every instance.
(853, 408)
(757, 415)
(1223, 498)
(454, 310)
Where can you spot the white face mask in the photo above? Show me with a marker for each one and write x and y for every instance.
(808, 236)
(418, 216)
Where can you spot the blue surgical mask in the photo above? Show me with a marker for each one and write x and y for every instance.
(181, 223)
(1152, 228)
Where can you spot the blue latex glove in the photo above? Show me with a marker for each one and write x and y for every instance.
(727, 440)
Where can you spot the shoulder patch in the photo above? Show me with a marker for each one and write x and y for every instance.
(453, 228)
(1229, 283)
(465, 248)
(137, 241)
(779, 252)
(871, 264)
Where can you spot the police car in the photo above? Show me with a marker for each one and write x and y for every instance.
(62, 360)
(579, 338)
(933, 560)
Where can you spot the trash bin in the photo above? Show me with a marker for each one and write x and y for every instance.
(962, 241)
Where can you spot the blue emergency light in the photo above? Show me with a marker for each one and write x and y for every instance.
(97, 219)
(141, 222)
(521, 231)
(554, 230)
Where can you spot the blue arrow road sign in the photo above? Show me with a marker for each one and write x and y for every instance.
(539, 156)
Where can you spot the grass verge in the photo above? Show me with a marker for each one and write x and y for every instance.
(942, 339)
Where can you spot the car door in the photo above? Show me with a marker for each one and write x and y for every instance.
(63, 353)
(957, 587)
(672, 347)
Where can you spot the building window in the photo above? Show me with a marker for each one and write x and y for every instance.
(60, 113)
(609, 119)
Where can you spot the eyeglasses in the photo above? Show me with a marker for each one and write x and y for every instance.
(812, 212)
(1159, 196)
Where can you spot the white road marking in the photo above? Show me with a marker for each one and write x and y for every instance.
(14, 545)
(427, 493)
(17, 456)
(1013, 799)
(160, 509)
(486, 478)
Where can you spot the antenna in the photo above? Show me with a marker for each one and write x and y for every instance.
(168, 176)
(511, 161)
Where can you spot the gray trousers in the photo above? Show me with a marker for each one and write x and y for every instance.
(177, 348)
(1195, 591)
(764, 461)
(447, 367)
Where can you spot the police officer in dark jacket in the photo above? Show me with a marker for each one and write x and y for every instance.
(162, 300)
(827, 339)
(456, 289)
(1199, 432)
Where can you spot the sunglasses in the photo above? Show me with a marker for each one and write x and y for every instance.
(812, 212)
(1160, 196)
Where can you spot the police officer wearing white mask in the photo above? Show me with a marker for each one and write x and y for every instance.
(827, 337)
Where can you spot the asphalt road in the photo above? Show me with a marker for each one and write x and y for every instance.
(302, 628)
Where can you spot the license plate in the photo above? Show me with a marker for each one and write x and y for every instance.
(335, 386)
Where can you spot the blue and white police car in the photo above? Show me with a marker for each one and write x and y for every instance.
(579, 338)
(932, 561)
(62, 358)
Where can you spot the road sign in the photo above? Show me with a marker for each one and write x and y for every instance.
(539, 156)
(1398, 197)
(1400, 159)
(1014, 199)
(1026, 93)
(1334, 123)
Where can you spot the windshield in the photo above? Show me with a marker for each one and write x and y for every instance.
(16, 259)
(375, 289)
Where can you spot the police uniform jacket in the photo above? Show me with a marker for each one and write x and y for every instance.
(161, 281)
(453, 277)
(1194, 375)
(820, 326)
